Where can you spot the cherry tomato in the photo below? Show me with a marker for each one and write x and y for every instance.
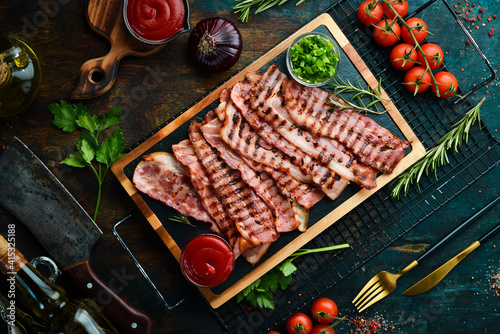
(434, 56)
(317, 329)
(273, 332)
(324, 310)
(447, 84)
(418, 29)
(403, 56)
(417, 80)
(299, 323)
(386, 32)
(370, 12)
(400, 6)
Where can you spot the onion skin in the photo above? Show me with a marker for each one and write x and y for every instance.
(215, 44)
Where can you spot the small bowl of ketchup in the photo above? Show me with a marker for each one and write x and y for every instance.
(156, 21)
(207, 260)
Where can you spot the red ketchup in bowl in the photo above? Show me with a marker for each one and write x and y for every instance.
(156, 21)
(207, 260)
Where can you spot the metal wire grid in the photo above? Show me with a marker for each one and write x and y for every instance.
(379, 221)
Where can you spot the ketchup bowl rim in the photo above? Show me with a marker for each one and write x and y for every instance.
(186, 28)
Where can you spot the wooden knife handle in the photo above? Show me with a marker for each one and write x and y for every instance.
(127, 318)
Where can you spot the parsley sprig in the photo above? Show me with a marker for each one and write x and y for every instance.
(438, 155)
(91, 152)
(260, 292)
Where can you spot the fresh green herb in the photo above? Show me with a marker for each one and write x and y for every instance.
(437, 156)
(70, 117)
(244, 6)
(313, 60)
(340, 86)
(181, 219)
(260, 292)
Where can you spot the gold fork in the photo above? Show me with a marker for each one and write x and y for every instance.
(379, 287)
(384, 282)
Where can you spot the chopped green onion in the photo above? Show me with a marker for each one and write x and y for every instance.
(313, 59)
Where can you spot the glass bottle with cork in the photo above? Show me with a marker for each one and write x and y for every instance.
(51, 310)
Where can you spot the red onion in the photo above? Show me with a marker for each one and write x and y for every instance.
(215, 44)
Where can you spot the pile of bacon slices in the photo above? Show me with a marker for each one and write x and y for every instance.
(258, 162)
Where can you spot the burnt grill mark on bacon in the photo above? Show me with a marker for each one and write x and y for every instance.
(185, 154)
(357, 132)
(242, 204)
(330, 155)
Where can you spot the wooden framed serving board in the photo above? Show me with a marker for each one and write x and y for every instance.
(322, 215)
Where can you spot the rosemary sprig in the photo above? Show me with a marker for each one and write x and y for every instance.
(244, 6)
(437, 156)
(340, 86)
(181, 219)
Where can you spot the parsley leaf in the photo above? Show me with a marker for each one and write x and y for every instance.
(260, 292)
(91, 152)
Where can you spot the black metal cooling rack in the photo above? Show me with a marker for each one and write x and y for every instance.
(381, 220)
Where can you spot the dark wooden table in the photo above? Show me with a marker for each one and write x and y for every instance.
(61, 37)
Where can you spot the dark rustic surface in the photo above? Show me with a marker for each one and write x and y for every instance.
(152, 89)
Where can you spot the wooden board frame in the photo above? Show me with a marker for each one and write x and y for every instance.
(417, 151)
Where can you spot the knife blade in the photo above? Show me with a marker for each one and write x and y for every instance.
(431, 280)
(36, 197)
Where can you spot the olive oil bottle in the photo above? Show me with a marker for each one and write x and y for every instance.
(47, 302)
(20, 76)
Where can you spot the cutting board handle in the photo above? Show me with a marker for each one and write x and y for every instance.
(125, 316)
(97, 76)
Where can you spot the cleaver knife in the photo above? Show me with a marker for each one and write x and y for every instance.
(36, 197)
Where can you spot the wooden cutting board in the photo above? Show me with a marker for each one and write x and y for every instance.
(98, 75)
(326, 212)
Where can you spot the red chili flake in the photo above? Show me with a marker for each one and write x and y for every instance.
(486, 92)
(3, 146)
(474, 4)
(495, 16)
(479, 17)
(490, 33)
(481, 10)
(467, 42)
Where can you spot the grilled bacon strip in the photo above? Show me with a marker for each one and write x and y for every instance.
(301, 193)
(185, 154)
(282, 209)
(252, 217)
(238, 134)
(330, 182)
(163, 178)
(372, 144)
(265, 100)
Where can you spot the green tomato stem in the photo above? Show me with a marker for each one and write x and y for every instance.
(417, 45)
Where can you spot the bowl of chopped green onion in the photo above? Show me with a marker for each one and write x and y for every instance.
(313, 59)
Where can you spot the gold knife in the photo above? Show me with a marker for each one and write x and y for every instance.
(437, 275)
